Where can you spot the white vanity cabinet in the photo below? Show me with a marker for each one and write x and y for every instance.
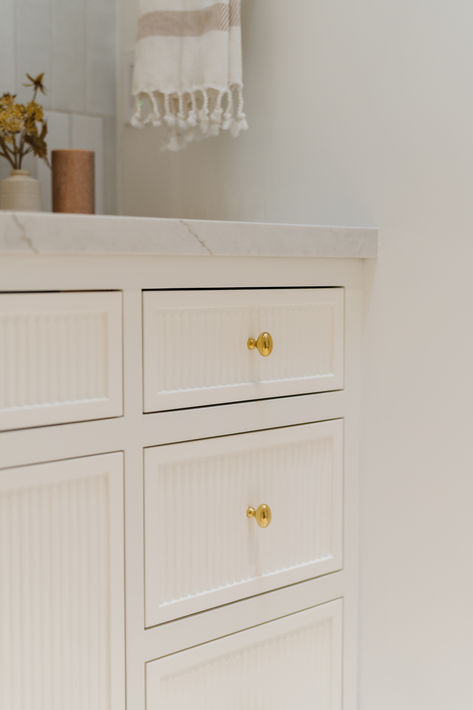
(178, 465)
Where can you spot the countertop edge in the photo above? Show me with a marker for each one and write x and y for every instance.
(23, 233)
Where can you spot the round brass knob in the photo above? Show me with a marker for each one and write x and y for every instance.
(263, 344)
(262, 514)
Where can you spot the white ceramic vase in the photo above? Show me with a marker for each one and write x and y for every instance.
(20, 192)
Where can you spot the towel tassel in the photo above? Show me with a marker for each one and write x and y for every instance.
(192, 114)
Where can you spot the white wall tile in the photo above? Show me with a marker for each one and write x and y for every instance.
(33, 40)
(87, 134)
(7, 46)
(100, 56)
(110, 165)
(68, 55)
(7, 61)
(73, 43)
(59, 138)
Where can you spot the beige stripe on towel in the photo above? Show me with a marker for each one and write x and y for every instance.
(191, 23)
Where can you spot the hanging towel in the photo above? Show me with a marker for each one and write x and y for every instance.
(188, 72)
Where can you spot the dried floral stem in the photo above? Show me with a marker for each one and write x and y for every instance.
(7, 153)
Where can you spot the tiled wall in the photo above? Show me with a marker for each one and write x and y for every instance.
(73, 42)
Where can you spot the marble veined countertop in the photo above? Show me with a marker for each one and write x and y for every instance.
(46, 233)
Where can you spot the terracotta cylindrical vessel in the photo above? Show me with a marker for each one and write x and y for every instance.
(73, 181)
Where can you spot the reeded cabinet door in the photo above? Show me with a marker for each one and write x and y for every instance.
(61, 585)
(201, 549)
(294, 662)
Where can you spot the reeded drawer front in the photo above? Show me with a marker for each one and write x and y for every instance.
(201, 549)
(60, 357)
(294, 662)
(196, 352)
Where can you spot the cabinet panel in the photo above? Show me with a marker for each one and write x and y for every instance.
(294, 662)
(196, 353)
(60, 357)
(61, 585)
(201, 549)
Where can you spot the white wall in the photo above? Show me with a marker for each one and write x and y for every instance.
(362, 113)
(74, 43)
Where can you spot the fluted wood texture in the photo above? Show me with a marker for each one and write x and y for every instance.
(201, 549)
(60, 357)
(195, 352)
(55, 585)
(291, 663)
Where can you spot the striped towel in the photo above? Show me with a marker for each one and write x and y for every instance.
(188, 73)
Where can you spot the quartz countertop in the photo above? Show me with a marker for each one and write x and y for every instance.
(46, 233)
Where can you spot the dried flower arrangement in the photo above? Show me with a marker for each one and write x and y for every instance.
(23, 128)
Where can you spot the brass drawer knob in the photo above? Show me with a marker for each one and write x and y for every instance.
(262, 514)
(263, 344)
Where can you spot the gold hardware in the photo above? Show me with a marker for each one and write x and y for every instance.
(262, 514)
(263, 343)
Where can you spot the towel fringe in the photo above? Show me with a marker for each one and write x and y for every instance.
(190, 115)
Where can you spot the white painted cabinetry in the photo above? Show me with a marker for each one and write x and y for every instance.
(60, 358)
(294, 662)
(195, 345)
(61, 585)
(201, 549)
(178, 510)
